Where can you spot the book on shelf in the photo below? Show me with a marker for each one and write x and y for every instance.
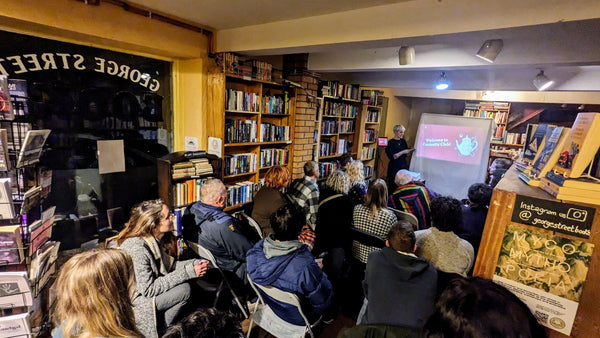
(31, 198)
(534, 143)
(43, 265)
(15, 326)
(547, 156)
(32, 147)
(7, 208)
(15, 290)
(581, 146)
(586, 183)
(41, 230)
(11, 245)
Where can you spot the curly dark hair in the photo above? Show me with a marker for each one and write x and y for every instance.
(446, 213)
(480, 194)
(206, 323)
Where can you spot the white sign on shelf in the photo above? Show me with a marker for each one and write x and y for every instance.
(191, 143)
(214, 146)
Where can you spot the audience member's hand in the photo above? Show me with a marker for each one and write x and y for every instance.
(201, 268)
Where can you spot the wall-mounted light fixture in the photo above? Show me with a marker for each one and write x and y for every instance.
(406, 55)
(490, 50)
(541, 81)
(442, 83)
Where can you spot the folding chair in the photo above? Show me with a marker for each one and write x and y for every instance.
(406, 216)
(224, 283)
(270, 322)
(253, 224)
(366, 238)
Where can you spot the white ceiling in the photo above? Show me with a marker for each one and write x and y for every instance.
(568, 50)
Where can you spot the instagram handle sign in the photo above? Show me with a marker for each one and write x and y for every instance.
(450, 143)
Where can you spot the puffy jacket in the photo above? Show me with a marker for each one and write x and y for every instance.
(295, 272)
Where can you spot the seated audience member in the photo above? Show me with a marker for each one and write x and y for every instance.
(474, 215)
(497, 169)
(400, 288)
(207, 323)
(478, 307)
(439, 244)
(345, 160)
(94, 291)
(373, 217)
(305, 192)
(412, 198)
(286, 264)
(358, 185)
(269, 197)
(218, 231)
(162, 290)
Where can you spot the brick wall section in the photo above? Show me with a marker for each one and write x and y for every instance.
(295, 69)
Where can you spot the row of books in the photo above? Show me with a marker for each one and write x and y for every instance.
(274, 156)
(242, 192)
(276, 104)
(515, 138)
(347, 126)
(498, 135)
(367, 153)
(373, 115)
(325, 168)
(261, 70)
(231, 63)
(372, 97)
(187, 192)
(270, 132)
(340, 109)
(337, 89)
(192, 167)
(239, 131)
(329, 127)
(239, 163)
(368, 171)
(556, 157)
(327, 148)
(241, 101)
(370, 135)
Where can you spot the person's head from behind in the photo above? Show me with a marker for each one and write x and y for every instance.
(287, 222)
(401, 237)
(480, 195)
(446, 213)
(338, 181)
(206, 323)
(277, 177)
(95, 289)
(149, 218)
(345, 160)
(311, 169)
(213, 192)
(355, 171)
(377, 195)
(500, 163)
(402, 178)
(478, 307)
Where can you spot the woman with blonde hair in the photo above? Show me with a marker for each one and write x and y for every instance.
(373, 217)
(358, 185)
(162, 283)
(269, 197)
(95, 289)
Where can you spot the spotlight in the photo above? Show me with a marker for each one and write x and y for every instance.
(406, 55)
(490, 50)
(442, 83)
(542, 82)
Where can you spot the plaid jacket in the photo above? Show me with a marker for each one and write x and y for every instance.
(380, 227)
(305, 193)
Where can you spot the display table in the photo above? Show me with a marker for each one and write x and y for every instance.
(539, 247)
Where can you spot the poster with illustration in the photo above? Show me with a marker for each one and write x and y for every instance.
(545, 271)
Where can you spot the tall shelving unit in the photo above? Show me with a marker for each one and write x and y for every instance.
(255, 120)
(371, 114)
(337, 122)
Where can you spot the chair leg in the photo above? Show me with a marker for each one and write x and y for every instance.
(217, 294)
(239, 304)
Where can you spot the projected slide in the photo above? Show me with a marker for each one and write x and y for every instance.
(451, 143)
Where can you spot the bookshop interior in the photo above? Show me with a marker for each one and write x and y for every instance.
(373, 168)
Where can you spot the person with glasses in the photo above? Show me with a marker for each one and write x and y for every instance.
(163, 290)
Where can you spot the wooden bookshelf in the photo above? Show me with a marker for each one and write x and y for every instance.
(260, 126)
(370, 117)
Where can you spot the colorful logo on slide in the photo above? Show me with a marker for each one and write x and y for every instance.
(467, 145)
